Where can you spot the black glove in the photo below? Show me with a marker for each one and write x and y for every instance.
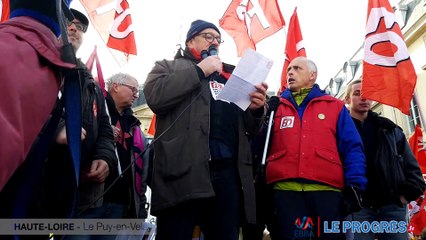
(352, 199)
(273, 104)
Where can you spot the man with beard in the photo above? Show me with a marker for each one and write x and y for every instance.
(97, 150)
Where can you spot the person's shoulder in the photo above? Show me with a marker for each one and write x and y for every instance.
(329, 98)
(82, 66)
(381, 121)
(322, 95)
(174, 62)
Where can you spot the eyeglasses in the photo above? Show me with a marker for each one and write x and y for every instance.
(135, 90)
(210, 37)
(78, 25)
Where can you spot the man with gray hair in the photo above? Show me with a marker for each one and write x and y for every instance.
(125, 186)
(126, 198)
(315, 153)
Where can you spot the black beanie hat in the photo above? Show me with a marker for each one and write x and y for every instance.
(80, 17)
(198, 26)
(42, 10)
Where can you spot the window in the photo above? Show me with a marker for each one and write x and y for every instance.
(414, 117)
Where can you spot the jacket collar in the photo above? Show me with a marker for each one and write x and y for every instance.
(381, 121)
(115, 115)
(314, 93)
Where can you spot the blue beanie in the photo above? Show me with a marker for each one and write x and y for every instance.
(42, 10)
(198, 26)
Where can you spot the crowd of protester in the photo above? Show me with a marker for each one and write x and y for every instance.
(326, 159)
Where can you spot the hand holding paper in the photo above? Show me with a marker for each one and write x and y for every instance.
(258, 98)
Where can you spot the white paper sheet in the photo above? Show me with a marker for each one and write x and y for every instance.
(252, 69)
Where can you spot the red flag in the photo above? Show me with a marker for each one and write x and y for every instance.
(121, 36)
(111, 19)
(293, 48)
(100, 77)
(266, 19)
(262, 16)
(418, 147)
(151, 129)
(233, 22)
(418, 221)
(388, 73)
(5, 10)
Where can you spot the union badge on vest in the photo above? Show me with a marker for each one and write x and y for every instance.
(287, 122)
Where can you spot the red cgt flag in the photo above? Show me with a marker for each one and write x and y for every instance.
(266, 19)
(293, 48)
(418, 147)
(112, 21)
(233, 22)
(121, 35)
(5, 10)
(248, 22)
(388, 73)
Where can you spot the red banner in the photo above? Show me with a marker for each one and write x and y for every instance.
(112, 21)
(121, 36)
(418, 147)
(293, 48)
(99, 75)
(418, 220)
(233, 22)
(248, 22)
(266, 19)
(388, 73)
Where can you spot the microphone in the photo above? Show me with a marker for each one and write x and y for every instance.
(204, 54)
(212, 50)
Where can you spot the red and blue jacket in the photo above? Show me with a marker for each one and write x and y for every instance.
(315, 142)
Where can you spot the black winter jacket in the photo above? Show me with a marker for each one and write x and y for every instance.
(392, 170)
(124, 189)
(58, 187)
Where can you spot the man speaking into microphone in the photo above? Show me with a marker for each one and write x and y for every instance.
(202, 172)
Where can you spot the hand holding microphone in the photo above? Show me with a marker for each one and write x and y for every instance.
(211, 63)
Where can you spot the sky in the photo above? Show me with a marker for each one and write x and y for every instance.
(333, 30)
